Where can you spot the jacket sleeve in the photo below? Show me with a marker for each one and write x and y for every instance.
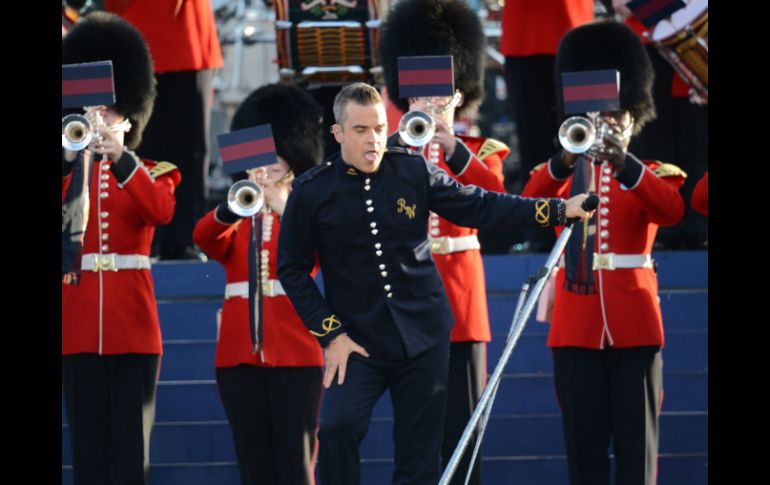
(657, 191)
(472, 206)
(297, 244)
(471, 170)
(151, 191)
(549, 179)
(215, 232)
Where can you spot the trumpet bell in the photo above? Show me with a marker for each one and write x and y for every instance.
(577, 134)
(76, 132)
(416, 128)
(245, 198)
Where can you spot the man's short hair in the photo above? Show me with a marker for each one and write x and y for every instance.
(361, 93)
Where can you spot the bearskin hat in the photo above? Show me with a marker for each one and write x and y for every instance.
(611, 45)
(433, 28)
(101, 36)
(296, 120)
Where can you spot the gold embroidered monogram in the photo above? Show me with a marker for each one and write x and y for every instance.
(542, 212)
(351, 171)
(402, 207)
(328, 325)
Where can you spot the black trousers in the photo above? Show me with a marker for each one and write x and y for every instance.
(110, 401)
(273, 413)
(610, 396)
(418, 390)
(178, 132)
(467, 379)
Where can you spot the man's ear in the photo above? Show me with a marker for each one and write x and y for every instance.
(335, 130)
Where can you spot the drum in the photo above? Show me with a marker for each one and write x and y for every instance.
(682, 40)
(327, 42)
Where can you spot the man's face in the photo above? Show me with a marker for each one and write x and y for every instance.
(363, 135)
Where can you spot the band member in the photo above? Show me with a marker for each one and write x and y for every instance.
(607, 333)
(271, 394)
(450, 27)
(384, 321)
(111, 342)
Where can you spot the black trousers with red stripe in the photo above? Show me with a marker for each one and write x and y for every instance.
(273, 413)
(610, 396)
(467, 379)
(110, 402)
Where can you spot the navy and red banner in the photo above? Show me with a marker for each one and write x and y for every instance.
(425, 76)
(650, 12)
(587, 91)
(248, 148)
(87, 84)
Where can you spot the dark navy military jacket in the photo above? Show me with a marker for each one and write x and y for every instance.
(370, 234)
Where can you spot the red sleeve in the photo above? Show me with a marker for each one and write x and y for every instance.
(658, 193)
(153, 196)
(542, 183)
(214, 237)
(487, 174)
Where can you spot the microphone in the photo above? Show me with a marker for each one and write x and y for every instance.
(589, 203)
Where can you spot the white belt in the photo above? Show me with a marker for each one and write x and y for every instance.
(241, 289)
(448, 245)
(613, 261)
(114, 262)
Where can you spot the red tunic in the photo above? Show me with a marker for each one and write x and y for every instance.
(181, 35)
(624, 311)
(286, 341)
(533, 27)
(463, 272)
(127, 216)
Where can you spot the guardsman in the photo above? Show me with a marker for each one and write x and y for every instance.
(111, 342)
(271, 395)
(606, 332)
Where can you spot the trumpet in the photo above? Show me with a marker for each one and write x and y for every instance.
(76, 132)
(580, 135)
(416, 128)
(245, 198)
(577, 134)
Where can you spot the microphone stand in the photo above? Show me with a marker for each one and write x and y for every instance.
(528, 297)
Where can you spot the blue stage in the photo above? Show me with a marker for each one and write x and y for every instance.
(192, 444)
